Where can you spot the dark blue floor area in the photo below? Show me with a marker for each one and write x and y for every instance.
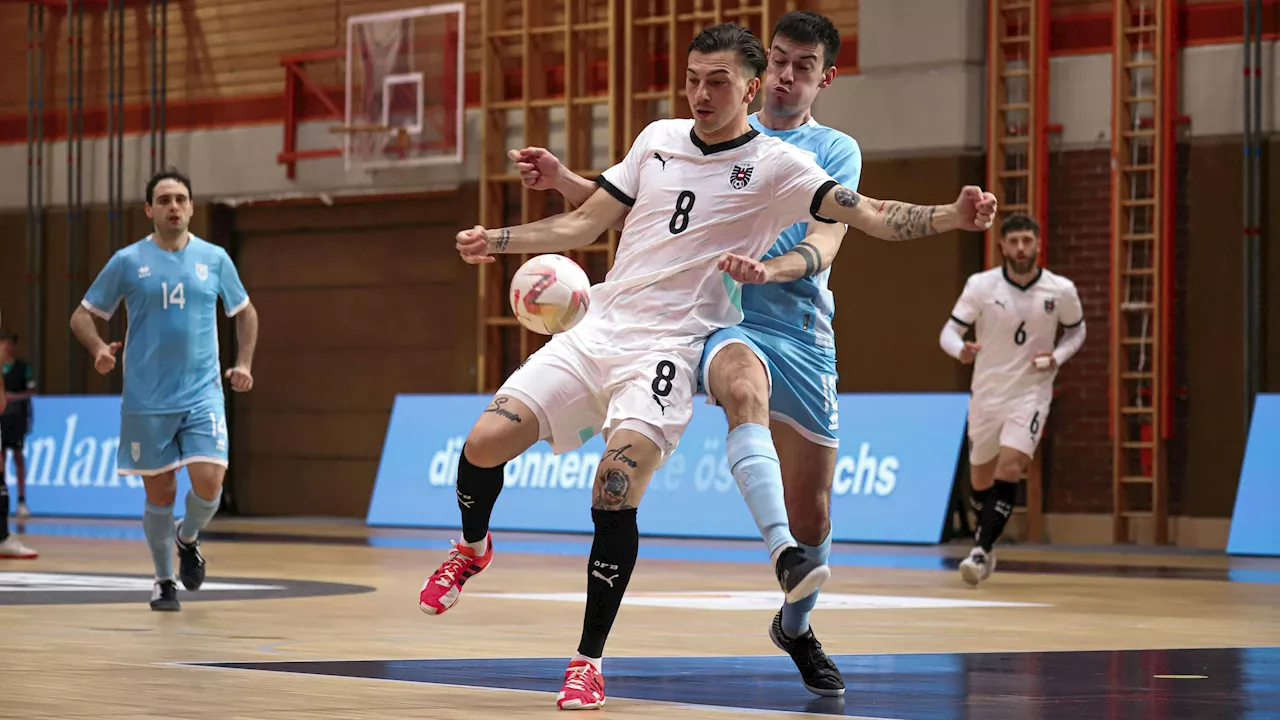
(1237, 683)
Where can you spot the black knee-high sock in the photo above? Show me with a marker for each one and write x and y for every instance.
(478, 490)
(997, 506)
(4, 511)
(977, 499)
(613, 557)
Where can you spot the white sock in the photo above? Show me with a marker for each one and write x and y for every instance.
(597, 662)
(773, 557)
(480, 547)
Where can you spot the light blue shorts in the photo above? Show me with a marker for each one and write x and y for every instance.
(802, 380)
(154, 444)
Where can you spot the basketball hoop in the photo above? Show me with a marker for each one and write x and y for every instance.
(374, 140)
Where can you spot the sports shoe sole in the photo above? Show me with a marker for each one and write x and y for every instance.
(970, 573)
(581, 706)
(810, 584)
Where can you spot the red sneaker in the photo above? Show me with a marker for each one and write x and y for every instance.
(583, 687)
(440, 591)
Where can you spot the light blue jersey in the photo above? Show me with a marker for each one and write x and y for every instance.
(170, 359)
(802, 309)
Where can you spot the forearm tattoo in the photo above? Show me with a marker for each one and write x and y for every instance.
(908, 221)
(812, 258)
(504, 239)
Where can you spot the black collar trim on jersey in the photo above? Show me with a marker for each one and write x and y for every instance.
(1004, 270)
(726, 145)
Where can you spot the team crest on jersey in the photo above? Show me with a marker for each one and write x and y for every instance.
(202, 271)
(741, 175)
(135, 449)
(1049, 304)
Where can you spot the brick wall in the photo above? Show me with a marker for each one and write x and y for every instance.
(1078, 471)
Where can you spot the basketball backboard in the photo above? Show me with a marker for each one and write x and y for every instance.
(405, 82)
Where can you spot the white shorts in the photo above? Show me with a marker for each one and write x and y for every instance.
(578, 389)
(1018, 424)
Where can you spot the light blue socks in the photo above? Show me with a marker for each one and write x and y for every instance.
(157, 524)
(199, 513)
(795, 616)
(754, 463)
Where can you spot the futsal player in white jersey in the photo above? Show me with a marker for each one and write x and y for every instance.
(1015, 311)
(779, 363)
(698, 191)
(172, 409)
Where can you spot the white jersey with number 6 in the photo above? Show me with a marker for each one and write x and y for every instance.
(691, 203)
(1013, 324)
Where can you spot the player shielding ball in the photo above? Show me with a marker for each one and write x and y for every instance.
(697, 190)
(172, 410)
(1015, 311)
(774, 374)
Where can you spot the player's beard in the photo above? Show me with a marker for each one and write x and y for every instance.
(1020, 267)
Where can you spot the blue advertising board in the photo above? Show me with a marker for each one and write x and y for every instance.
(71, 461)
(892, 481)
(1255, 525)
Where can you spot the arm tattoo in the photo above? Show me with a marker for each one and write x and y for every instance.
(504, 239)
(812, 258)
(496, 408)
(907, 221)
(612, 488)
(846, 197)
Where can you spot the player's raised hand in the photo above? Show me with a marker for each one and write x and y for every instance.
(538, 168)
(473, 246)
(975, 208)
(969, 352)
(105, 361)
(743, 269)
(241, 379)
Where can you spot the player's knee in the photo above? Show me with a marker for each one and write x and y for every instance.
(159, 492)
(748, 400)
(485, 447)
(1010, 469)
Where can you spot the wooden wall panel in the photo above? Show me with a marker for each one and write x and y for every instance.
(216, 48)
(359, 302)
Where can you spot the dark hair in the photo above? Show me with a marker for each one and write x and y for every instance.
(811, 28)
(735, 38)
(166, 174)
(1018, 222)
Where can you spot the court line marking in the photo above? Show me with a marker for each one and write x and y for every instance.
(695, 706)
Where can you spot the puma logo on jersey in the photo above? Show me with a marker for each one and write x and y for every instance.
(661, 160)
(1000, 303)
(661, 405)
(610, 579)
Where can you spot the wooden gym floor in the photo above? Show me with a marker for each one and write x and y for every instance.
(320, 620)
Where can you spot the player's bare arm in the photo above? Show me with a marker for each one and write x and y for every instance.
(86, 331)
(240, 374)
(808, 258)
(541, 170)
(893, 220)
(559, 233)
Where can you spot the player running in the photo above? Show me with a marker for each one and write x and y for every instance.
(172, 411)
(1015, 311)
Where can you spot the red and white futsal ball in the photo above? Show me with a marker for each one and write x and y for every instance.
(549, 294)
